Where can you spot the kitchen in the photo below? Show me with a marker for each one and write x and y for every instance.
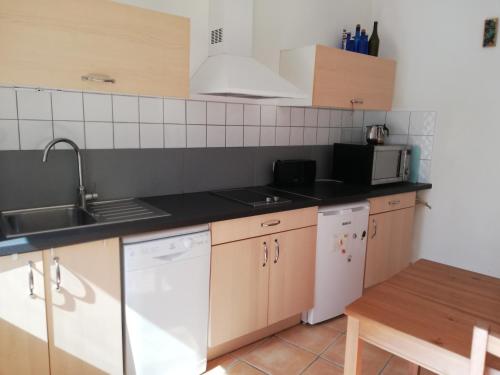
(155, 145)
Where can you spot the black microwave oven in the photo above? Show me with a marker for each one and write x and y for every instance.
(371, 164)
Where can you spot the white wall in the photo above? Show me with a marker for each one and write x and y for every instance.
(442, 66)
(284, 24)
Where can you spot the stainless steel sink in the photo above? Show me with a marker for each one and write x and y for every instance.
(48, 219)
(23, 222)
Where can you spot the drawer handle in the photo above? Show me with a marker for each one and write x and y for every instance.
(31, 280)
(96, 77)
(357, 101)
(277, 254)
(266, 254)
(374, 228)
(391, 203)
(58, 274)
(270, 223)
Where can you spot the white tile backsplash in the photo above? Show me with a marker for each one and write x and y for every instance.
(125, 108)
(296, 136)
(151, 110)
(67, 106)
(251, 136)
(267, 136)
(9, 135)
(216, 113)
(425, 143)
(322, 136)
(374, 118)
(175, 136)
(196, 113)
(396, 139)
(251, 115)
(310, 135)
(8, 105)
(35, 134)
(398, 122)
(283, 116)
(97, 107)
(282, 136)
(346, 135)
(99, 135)
(174, 111)
(234, 136)
(216, 136)
(126, 135)
(34, 104)
(196, 135)
(151, 135)
(357, 136)
(311, 117)
(73, 130)
(234, 114)
(268, 115)
(336, 118)
(347, 119)
(323, 117)
(357, 119)
(334, 136)
(422, 123)
(297, 116)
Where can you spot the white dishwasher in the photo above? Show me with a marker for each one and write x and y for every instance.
(340, 259)
(165, 287)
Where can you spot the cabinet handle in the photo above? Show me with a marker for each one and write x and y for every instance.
(374, 228)
(270, 223)
(58, 274)
(391, 203)
(357, 101)
(31, 279)
(96, 77)
(266, 254)
(277, 251)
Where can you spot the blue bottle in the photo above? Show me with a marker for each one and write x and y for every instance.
(363, 43)
(357, 38)
(349, 46)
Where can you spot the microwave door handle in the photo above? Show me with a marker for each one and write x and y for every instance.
(399, 163)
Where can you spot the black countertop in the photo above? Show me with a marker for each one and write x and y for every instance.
(204, 207)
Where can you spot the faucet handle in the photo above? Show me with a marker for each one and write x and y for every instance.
(91, 196)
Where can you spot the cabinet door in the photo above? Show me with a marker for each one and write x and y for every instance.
(23, 326)
(389, 245)
(342, 76)
(84, 313)
(291, 282)
(378, 249)
(53, 43)
(239, 285)
(401, 238)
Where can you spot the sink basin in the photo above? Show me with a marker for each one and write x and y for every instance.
(24, 222)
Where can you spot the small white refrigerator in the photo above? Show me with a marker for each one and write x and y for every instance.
(340, 259)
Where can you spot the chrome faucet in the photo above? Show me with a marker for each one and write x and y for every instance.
(83, 196)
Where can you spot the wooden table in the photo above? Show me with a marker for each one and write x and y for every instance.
(425, 314)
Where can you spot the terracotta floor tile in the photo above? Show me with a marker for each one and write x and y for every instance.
(396, 366)
(424, 371)
(322, 367)
(336, 351)
(241, 368)
(247, 349)
(223, 363)
(373, 359)
(339, 323)
(277, 357)
(314, 338)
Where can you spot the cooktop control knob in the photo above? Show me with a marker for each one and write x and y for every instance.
(269, 200)
(276, 198)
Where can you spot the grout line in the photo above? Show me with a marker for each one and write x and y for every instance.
(18, 124)
(139, 123)
(84, 123)
(386, 364)
(112, 120)
(52, 114)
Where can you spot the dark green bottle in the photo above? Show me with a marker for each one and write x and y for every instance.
(374, 41)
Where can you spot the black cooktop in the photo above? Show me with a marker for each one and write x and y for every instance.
(257, 197)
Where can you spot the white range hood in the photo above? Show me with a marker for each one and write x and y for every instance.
(230, 69)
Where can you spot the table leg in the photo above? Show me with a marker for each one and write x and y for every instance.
(353, 348)
(413, 369)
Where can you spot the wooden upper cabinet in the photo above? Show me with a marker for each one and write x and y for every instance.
(23, 326)
(332, 77)
(84, 314)
(53, 43)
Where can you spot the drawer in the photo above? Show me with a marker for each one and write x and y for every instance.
(392, 202)
(259, 225)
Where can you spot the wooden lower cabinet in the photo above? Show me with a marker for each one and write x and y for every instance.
(389, 244)
(252, 287)
(23, 326)
(238, 289)
(291, 280)
(84, 314)
(76, 328)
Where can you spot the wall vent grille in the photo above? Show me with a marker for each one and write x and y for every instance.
(216, 36)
